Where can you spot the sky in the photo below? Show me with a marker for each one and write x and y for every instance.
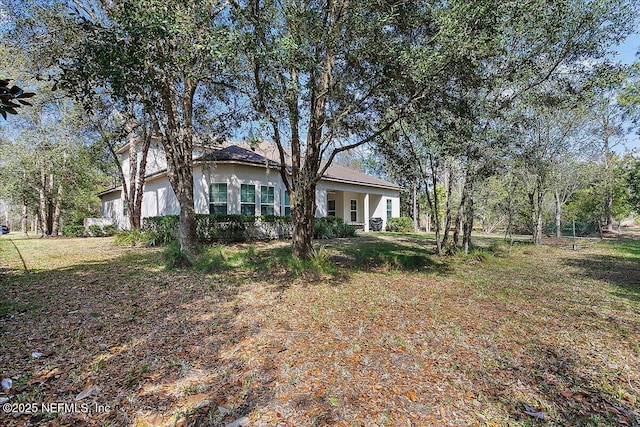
(627, 52)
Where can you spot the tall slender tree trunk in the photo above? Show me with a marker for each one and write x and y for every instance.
(24, 218)
(608, 186)
(556, 196)
(434, 202)
(133, 180)
(42, 215)
(447, 223)
(532, 215)
(535, 207)
(55, 227)
(468, 213)
(138, 194)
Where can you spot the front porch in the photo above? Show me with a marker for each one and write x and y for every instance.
(356, 207)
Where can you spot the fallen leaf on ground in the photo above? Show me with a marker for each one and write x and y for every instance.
(239, 422)
(88, 392)
(532, 412)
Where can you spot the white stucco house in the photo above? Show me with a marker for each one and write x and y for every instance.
(237, 178)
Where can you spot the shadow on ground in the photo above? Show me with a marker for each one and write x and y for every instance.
(158, 346)
(621, 269)
(551, 384)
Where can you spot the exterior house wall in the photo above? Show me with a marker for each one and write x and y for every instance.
(156, 160)
(234, 175)
(348, 196)
(111, 207)
(159, 198)
(321, 202)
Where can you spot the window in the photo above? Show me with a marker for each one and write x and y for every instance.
(331, 208)
(267, 200)
(389, 210)
(286, 205)
(354, 210)
(248, 199)
(218, 199)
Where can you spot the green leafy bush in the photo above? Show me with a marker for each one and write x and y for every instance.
(345, 230)
(400, 225)
(331, 227)
(73, 231)
(174, 257)
(323, 229)
(110, 230)
(95, 230)
(165, 229)
(135, 238)
(221, 228)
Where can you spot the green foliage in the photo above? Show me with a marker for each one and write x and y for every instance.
(400, 225)
(95, 230)
(175, 258)
(332, 227)
(633, 183)
(110, 230)
(73, 231)
(585, 206)
(12, 97)
(165, 229)
(135, 238)
(221, 228)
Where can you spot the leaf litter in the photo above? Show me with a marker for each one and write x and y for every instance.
(532, 338)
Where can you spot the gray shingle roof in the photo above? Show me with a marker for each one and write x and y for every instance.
(264, 154)
(238, 154)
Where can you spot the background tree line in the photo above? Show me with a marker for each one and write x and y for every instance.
(483, 107)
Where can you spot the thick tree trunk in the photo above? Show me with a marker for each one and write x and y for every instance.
(458, 224)
(432, 200)
(181, 178)
(461, 217)
(302, 214)
(188, 222)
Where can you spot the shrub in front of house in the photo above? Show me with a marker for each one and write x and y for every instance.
(134, 238)
(94, 230)
(331, 227)
(221, 228)
(73, 231)
(110, 230)
(400, 225)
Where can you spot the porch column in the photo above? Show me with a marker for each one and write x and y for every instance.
(366, 212)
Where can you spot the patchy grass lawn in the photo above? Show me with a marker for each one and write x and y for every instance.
(379, 332)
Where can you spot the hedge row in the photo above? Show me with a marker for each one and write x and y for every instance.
(400, 225)
(221, 228)
(94, 230)
(241, 228)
